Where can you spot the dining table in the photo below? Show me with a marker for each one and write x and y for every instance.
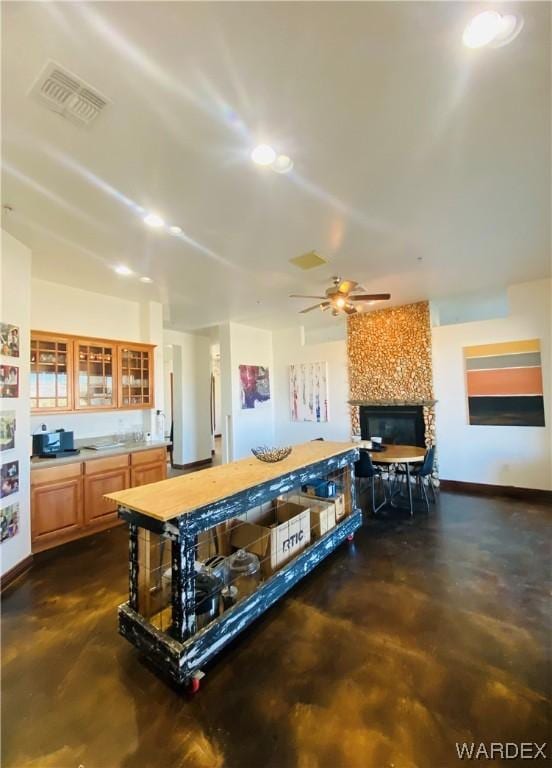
(396, 454)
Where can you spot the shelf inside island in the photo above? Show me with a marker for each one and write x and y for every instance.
(210, 551)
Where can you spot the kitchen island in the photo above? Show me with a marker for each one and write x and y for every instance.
(287, 517)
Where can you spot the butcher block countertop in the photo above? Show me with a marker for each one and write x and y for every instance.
(171, 498)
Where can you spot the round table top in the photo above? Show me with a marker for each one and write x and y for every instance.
(394, 453)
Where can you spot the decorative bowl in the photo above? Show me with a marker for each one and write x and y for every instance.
(271, 455)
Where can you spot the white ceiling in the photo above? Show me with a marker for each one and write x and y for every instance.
(406, 146)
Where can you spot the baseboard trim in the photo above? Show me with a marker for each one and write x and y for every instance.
(484, 489)
(14, 573)
(194, 464)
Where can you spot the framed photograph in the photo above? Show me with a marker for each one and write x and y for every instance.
(9, 521)
(7, 430)
(9, 478)
(9, 340)
(9, 381)
(254, 386)
(308, 392)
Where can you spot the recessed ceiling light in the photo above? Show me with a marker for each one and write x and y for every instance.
(122, 269)
(263, 155)
(153, 220)
(175, 230)
(146, 279)
(491, 28)
(282, 164)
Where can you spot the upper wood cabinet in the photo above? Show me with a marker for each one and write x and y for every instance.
(51, 385)
(135, 376)
(84, 374)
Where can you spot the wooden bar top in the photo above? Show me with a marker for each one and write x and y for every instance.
(171, 498)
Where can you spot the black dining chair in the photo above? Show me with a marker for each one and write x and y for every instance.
(365, 470)
(422, 474)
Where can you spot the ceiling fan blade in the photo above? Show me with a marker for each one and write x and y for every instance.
(303, 296)
(346, 286)
(309, 309)
(371, 297)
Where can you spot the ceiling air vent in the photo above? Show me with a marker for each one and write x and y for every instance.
(68, 95)
(308, 260)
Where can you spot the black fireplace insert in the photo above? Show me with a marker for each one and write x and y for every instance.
(396, 424)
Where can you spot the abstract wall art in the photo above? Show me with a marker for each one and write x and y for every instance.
(254, 386)
(504, 384)
(308, 392)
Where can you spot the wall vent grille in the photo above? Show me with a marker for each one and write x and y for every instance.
(68, 95)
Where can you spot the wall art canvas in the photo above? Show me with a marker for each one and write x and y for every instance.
(9, 340)
(308, 392)
(504, 384)
(254, 386)
(9, 521)
(7, 430)
(9, 478)
(9, 381)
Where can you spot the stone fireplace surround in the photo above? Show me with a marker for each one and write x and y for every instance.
(390, 364)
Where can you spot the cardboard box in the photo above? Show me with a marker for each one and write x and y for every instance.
(322, 512)
(281, 530)
(338, 502)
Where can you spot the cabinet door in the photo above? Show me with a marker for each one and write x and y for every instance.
(95, 374)
(135, 376)
(51, 380)
(148, 473)
(56, 511)
(97, 510)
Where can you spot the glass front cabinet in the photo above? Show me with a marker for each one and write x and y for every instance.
(135, 376)
(51, 386)
(96, 372)
(69, 373)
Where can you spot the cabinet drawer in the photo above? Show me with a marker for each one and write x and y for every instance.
(151, 456)
(94, 466)
(55, 474)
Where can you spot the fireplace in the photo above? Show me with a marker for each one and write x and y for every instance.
(396, 424)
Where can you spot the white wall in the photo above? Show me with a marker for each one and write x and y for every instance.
(289, 348)
(514, 456)
(247, 428)
(15, 281)
(191, 367)
(64, 309)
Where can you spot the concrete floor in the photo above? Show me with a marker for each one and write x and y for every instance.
(420, 634)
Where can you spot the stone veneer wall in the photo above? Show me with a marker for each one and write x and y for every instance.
(389, 353)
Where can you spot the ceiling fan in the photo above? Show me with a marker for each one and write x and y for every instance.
(340, 297)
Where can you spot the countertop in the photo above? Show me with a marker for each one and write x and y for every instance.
(168, 499)
(86, 454)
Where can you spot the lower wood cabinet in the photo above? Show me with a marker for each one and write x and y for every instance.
(111, 475)
(56, 506)
(67, 501)
(148, 467)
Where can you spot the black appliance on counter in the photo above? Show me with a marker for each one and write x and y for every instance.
(51, 445)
